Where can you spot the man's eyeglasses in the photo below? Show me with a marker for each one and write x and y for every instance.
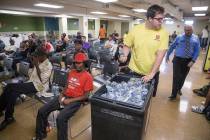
(159, 19)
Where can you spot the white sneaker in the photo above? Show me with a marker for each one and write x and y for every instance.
(198, 109)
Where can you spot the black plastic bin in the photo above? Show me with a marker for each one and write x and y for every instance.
(113, 120)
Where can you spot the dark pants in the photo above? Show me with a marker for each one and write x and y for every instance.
(61, 121)
(204, 42)
(180, 71)
(156, 78)
(10, 94)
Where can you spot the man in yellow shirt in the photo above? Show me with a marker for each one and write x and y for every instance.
(148, 44)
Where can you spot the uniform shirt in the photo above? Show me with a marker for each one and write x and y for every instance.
(205, 33)
(102, 33)
(144, 44)
(179, 45)
(78, 83)
(46, 69)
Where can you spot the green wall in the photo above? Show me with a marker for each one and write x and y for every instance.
(91, 24)
(73, 24)
(10, 23)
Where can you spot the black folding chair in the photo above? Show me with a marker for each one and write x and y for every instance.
(8, 70)
(69, 61)
(23, 74)
(56, 60)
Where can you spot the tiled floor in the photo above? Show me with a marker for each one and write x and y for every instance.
(168, 120)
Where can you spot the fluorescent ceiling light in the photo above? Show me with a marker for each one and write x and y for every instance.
(202, 8)
(106, 1)
(48, 5)
(169, 22)
(189, 22)
(64, 16)
(14, 12)
(92, 18)
(99, 13)
(140, 10)
(125, 16)
(200, 15)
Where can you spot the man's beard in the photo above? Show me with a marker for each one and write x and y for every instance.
(79, 69)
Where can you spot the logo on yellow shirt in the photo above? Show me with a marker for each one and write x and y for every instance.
(157, 37)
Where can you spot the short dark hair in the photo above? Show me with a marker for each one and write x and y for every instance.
(153, 10)
(40, 51)
(78, 41)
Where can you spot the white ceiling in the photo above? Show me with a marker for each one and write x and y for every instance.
(176, 8)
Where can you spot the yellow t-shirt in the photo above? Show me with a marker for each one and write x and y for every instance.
(144, 44)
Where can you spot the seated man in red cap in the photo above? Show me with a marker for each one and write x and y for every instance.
(79, 84)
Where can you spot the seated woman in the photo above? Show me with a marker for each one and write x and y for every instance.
(123, 66)
(111, 45)
(79, 84)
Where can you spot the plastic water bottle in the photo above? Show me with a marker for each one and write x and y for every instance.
(53, 89)
(56, 90)
(134, 91)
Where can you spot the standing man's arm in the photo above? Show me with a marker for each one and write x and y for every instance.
(172, 47)
(159, 58)
(155, 68)
(195, 53)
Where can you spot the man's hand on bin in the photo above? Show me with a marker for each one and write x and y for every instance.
(147, 78)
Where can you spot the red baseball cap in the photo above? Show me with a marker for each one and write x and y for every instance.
(80, 57)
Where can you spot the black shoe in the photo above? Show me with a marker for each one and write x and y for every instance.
(180, 92)
(172, 97)
(6, 122)
(197, 91)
